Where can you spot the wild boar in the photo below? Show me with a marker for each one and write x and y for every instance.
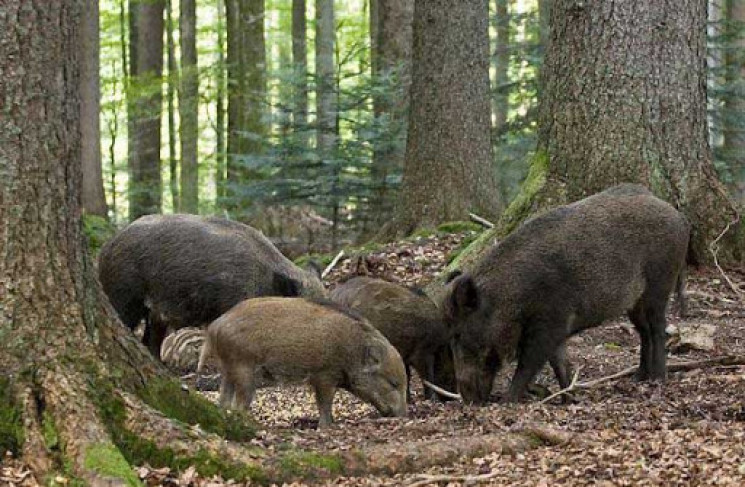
(622, 250)
(294, 339)
(409, 320)
(185, 270)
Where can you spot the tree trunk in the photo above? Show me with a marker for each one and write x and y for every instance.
(171, 87)
(391, 29)
(502, 61)
(145, 185)
(733, 149)
(220, 106)
(608, 117)
(94, 201)
(189, 107)
(300, 63)
(246, 93)
(448, 169)
(325, 78)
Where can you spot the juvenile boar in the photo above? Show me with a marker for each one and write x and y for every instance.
(293, 339)
(570, 269)
(409, 320)
(185, 270)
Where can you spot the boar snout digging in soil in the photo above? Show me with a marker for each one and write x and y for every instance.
(293, 339)
(409, 320)
(185, 270)
(619, 251)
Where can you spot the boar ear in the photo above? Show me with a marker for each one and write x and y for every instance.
(452, 275)
(284, 286)
(464, 297)
(313, 267)
(373, 357)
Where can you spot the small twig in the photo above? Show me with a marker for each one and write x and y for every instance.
(568, 388)
(332, 264)
(442, 391)
(714, 249)
(466, 479)
(480, 220)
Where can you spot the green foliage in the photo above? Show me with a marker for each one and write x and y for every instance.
(307, 465)
(11, 424)
(168, 397)
(107, 460)
(97, 231)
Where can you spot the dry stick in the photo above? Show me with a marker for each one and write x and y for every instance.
(332, 264)
(480, 220)
(442, 391)
(568, 388)
(714, 248)
(466, 479)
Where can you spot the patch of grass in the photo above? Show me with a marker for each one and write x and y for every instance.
(299, 464)
(168, 397)
(11, 424)
(612, 346)
(49, 431)
(321, 259)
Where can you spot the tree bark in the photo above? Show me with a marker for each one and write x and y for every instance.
(220, 149)
(733, 128)
(391, 30)
(325, 78)
(171, 88)
(448, 169)
(145, 184)
(246, 93)
(624, 100)
(94, 201)
(300, 63)
(502, 60)
(189, 107)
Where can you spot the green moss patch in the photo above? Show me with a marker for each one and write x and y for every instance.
(522, 206)
(459, 227)
(11, 424)
(168, 397)
(97, 231)
(106, 460)
(308, 465)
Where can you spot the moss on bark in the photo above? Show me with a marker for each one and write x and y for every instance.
(11, 424)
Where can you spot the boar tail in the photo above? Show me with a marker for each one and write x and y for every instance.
(681, 297)
(204, 354)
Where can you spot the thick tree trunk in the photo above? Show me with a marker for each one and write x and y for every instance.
(391, 31)
(325, 78)
(171, 88)
(734, 123)
(300, 63)
(624, 100)
(448, 170)
(145, 185)
(246, 92)
(94, 201)
(189, 107)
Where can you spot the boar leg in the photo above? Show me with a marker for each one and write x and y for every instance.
(245, 386)
(656, 367)
(562, 370)
(155, 333)
(325, 392)
(534, 350)
(639, 319)
(227, 392)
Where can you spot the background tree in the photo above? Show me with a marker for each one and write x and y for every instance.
(171, 89)
(146, 55)
(733, 130)
(391, 42)
(94, 201)
(189, 106)
(448, 170)
(607, 117)
(300, 63)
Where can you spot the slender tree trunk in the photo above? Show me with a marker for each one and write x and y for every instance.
(189, 107)
(145, 185)
(173, 81)
(246, 93)
(220, 105)
(286, 92)
(300, 63)
(448, 170)
(734, 123)
(325, 78)
(502, 61)
(608, 117)
(391, 28)
(94, 201)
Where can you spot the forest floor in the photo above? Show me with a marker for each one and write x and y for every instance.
(690, 431)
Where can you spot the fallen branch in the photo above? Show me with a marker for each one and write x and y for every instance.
(714, 249)
(481, 221)
(568, 388)
(332, 264)
(465, 479)
(442, 391)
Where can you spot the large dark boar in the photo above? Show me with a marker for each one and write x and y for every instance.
(186, 270)
(618, 251)
(409, 320)
(293, 339)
